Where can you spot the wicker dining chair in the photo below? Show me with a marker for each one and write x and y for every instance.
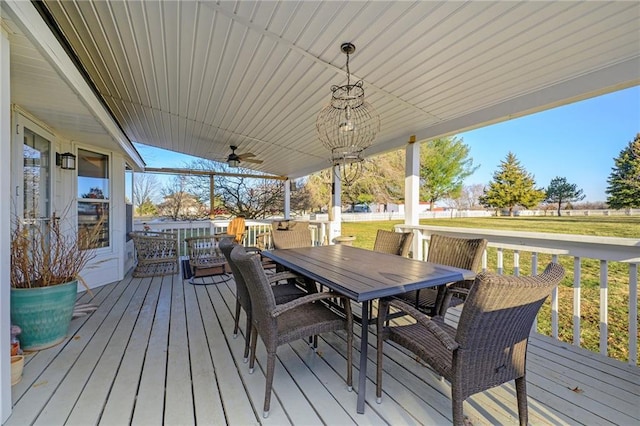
(450, 251)
(281, 324)
(282, 284)
(156, 253)
(490, 344)
(393, 242)
(300, 236)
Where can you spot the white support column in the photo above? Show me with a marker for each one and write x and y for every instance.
(287, 199)
(5, 229)
(335, 208)
(412, 191)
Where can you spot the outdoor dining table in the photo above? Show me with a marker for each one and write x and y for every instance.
(363, 276)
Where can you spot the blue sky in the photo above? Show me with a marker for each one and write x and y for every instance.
(577, 141)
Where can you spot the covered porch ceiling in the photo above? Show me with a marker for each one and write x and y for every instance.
(196, 77)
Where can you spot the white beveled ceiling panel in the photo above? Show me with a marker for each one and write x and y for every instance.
(198, 76)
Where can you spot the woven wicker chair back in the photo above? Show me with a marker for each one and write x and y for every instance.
(457, 252)
(263, 301)
(300, 236)
(242, 292)
(398, 243)
(495, 324)
(156, 253)
(288, 224)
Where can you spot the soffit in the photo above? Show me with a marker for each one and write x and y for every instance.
(196, 77)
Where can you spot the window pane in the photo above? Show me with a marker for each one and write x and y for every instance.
(93, 175)
(93, 184)
(93, 221)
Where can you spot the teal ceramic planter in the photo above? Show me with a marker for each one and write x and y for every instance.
(43, 314)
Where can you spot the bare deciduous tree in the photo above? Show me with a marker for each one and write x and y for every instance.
(144, 188)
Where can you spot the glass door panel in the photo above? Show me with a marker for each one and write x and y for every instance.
(36, 152)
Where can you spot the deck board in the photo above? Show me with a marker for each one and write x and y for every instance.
(149, 399)
(161, 351)
(121, 392)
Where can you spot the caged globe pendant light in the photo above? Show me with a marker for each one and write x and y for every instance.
(348, 125)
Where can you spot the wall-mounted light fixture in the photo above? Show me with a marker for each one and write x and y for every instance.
(66, 161)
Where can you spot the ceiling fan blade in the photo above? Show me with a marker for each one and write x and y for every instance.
(246, 155)
(251, 160)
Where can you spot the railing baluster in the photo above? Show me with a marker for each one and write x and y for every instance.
(534, 272)
(500, 260)
(554, 306)
(604, 307)
(516, 263)
(484, 260)
(576, 301)
(633, 313)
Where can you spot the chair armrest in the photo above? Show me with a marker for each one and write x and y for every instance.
(280, 276)
(425, 321)
(313, 297)
(458, 290)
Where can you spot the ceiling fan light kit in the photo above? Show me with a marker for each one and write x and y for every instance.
(348, 125)
(234, 160)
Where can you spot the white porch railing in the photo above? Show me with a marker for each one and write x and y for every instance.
(184, 229)
(579, 248)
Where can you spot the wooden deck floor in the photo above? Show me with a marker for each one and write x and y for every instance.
(160, 351)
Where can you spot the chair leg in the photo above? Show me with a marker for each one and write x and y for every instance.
(521, 394)
(254, 342)
(248, 338)
(271, 364)
(236, 319)
(350, 354)
(456, 406)
(383, 317)
(379, 359)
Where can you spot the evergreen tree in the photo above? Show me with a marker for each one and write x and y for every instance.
(560, 191)
(444, 165)
(512, 186)
(147, 208)
(624, 180)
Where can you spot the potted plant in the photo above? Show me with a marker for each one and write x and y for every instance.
(45, 267)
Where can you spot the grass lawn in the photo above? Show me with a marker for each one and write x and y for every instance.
(618, 273)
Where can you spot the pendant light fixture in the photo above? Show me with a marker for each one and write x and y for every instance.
(348, 125)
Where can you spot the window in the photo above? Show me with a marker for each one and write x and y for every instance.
(93, 195)
(128, 200)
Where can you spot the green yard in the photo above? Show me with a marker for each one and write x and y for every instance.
(613, 226)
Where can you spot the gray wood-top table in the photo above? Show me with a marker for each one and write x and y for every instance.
(364, 275)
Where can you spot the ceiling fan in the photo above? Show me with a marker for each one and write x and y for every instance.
(233, 160)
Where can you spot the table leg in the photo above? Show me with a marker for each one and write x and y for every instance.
(364, 343)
